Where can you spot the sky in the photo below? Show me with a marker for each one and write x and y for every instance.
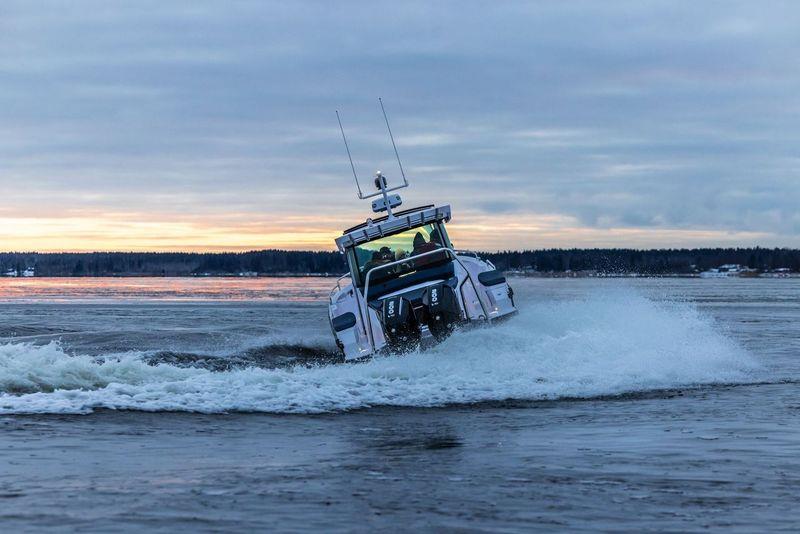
(156, 125)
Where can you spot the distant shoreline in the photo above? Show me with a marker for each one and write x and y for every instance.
(221, 275)
(510, 274)
(574, 263)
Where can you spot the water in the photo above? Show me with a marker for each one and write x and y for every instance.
(214, 405)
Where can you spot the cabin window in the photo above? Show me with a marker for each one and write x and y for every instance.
(393, 248)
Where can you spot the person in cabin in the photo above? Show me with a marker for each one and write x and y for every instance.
(436, 238)
(380, 257)
(421, 246)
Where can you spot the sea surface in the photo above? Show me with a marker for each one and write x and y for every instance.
(217, 405)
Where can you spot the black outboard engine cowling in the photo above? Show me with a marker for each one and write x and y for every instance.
(400, 324)
(444, 313)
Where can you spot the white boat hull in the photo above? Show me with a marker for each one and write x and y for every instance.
(363, 328)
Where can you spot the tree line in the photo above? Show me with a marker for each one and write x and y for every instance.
(647, 262)
(276, 262)
(265, 262)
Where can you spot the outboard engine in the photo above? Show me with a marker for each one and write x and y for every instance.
(444, 312)
(399, 323)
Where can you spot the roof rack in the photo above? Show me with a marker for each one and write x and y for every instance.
(389, 226)
(381, 219)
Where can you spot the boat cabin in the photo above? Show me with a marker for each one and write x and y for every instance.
(376, 250)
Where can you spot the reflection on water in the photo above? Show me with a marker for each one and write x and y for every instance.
(296, 289)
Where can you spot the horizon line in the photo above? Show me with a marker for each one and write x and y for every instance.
(236, 250)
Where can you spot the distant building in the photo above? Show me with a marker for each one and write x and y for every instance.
(729, 270)
(780, 272)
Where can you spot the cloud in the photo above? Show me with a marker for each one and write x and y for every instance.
(622, 120)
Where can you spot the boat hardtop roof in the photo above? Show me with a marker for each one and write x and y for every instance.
(403, 220)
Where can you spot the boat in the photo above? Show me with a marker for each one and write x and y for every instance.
(408, 288)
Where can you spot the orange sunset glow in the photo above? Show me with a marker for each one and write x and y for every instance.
(145, 232)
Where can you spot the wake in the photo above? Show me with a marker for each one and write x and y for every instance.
(610, 343)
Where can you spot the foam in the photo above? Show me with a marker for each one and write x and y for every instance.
(611, 342)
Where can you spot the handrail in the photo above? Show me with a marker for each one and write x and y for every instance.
(405, 260)
(464, 252)
(338, 284)
(474, 255)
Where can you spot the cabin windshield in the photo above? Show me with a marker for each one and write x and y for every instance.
(396, 247)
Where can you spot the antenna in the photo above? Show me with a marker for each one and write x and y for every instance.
(381, 184)
(358, 186)
(405, 182)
